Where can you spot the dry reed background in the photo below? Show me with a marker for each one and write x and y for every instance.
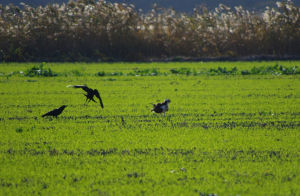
(85, 30)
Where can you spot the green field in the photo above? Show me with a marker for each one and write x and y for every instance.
(225, 133)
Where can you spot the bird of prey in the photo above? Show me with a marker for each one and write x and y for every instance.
(55, 112)
(161, 107)
(90, 93)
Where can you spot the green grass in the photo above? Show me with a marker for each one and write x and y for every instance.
(224, 134)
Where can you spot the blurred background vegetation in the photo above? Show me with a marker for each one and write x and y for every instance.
(179, 5)
(85, 30)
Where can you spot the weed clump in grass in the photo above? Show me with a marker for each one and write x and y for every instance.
(273, 70)
(19, 130)
(222, 71)
(101, 74)
(211, 71)
(53, 152)
(76, 72)
(144, 72)
(182, 70)
(40, 71)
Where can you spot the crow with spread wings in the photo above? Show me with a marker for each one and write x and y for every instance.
(90, 93)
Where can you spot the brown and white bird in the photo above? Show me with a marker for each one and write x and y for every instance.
(161, 107)
(55, 112)
(90, 93)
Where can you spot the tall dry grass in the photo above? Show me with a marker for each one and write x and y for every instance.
(85, 30)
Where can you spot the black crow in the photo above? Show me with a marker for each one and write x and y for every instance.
(55, 112)
(90, 93)
(161, 107)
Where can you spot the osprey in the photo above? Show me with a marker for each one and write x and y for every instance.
(55, 112)
(161, 107)
(90, 93)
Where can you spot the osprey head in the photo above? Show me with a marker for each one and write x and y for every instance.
(168, 100)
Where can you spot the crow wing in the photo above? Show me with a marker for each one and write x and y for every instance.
(96, 93)
(84, 87)
(54, 112)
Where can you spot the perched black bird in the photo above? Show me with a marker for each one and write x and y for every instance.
(161, 107)
(55, 112)
(90, 93)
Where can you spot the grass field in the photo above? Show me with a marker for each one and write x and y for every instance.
(225, 134)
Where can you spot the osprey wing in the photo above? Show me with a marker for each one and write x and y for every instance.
(96, 93)
(157, 108)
